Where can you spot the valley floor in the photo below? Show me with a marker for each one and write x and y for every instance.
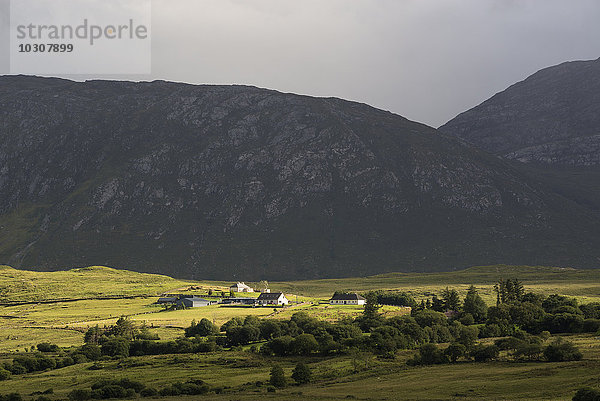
(244, 374)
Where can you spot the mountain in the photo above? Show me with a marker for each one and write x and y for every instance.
(237, 182)
(552, 117)
(549, 124)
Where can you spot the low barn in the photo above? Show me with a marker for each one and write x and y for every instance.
(272, 298)
(239, 300)
(193, 302)
(346, 299)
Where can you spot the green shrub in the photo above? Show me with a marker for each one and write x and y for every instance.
(149, 392)
(4, 374)
(530, 352)
(302, 373)
(111, 391)
(484, 353)
(591, 325)
(467, 319)
(429, 354)
(587, 394)
(91, 351)
(203, 328)
(277, 377)
(116, 346)
(562, 351)
(12, 397)
(47, 347)
(455, 351)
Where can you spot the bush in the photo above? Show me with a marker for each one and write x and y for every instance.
(484, 353)
(455, 351)
(466, 335)
(302, 373)
(4, 374)
(91, 351)
(277, 377)
(12, 397)
(47, 347)
(80, 395)
(490, 330)
(467, 319)
(562, 351)
(591, 325)
(430, 354)
(66, 361)
(587, 394)
(192, 387)
(304, 344)
(149, 392)
(530, 352)
(203, 328)
(16, 369)
(110, 391)
(116, 346)
(79, 358)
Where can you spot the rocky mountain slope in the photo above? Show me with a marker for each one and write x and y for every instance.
(552, 117)
(549, 125)
(236, 182)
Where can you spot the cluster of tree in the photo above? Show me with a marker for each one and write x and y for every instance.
(536, 313)
(121, 340)
(34, 362)
(473, 308)
(394, 298)
(306, 335)
(517, 309)
(508, 291)
(203, 328)
(524, 347)
(123, 328)
(126, 388)
(301, 375)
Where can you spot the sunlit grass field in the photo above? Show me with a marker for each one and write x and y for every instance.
(88, 282)
(63, 323)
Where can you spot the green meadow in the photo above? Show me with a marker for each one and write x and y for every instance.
(58, 307)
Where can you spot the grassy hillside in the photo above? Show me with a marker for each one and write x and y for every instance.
(81, 283)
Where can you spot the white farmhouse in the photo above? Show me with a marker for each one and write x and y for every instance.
(346, 299)
(272, 298)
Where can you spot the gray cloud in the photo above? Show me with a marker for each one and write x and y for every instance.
(424, 59)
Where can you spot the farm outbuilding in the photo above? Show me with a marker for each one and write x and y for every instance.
(241, 287)
(193, 302)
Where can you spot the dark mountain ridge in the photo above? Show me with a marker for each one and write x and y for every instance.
(549, 125)
(229, 182)
(552, 117)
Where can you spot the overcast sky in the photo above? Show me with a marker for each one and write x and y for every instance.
(427, 60)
